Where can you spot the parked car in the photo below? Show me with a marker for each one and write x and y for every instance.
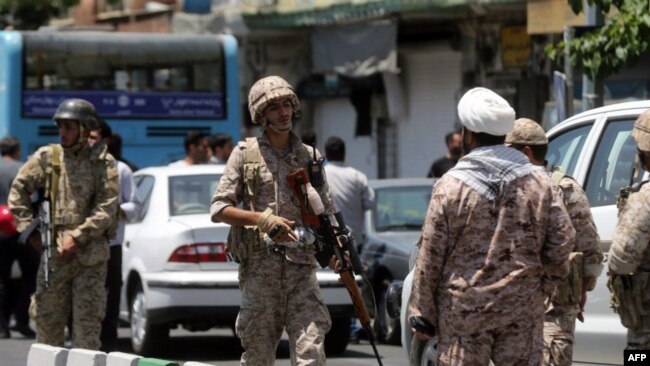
(175, 268)
(391, 229)
(596, 148)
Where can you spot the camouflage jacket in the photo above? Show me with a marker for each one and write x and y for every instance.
(86, 202)
(274, 168)
(587, 239)
(629, 251)
(483, 265)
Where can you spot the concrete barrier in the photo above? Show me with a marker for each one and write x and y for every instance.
(122, 359)
(44, 355)
(156, 362)
(84, 357)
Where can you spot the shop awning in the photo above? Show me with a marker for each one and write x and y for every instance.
(292, 13)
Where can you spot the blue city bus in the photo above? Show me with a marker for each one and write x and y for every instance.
(151, 88)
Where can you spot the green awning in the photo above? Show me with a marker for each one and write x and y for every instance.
(289, 14)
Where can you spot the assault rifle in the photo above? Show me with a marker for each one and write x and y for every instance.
(331, 231)
(42, 223)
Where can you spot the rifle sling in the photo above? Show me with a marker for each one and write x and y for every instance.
(54, 186)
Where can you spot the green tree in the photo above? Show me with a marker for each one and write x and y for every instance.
(31, 14)
(621, 41)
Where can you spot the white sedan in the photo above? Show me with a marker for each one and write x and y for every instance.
(176, 270)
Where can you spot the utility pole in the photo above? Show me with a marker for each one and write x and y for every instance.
(568, 70)
(592, 90)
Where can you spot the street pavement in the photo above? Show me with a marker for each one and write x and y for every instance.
(216, 347)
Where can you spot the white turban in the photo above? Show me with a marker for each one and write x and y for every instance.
(482, 110)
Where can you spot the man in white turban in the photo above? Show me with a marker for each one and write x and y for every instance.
(495, 236)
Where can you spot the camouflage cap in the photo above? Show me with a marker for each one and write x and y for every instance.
(526, 132)
(641, 131)
(267, 90)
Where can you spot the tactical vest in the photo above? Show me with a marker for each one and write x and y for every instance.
(54, 172)
(243, 241)
(629, 292)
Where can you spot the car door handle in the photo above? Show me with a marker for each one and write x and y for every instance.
(127, 244)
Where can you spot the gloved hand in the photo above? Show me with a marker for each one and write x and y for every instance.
(276, 227)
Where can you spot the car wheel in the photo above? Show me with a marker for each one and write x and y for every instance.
(424, 353)
(337, 339)
(387, 329)
(146, 338)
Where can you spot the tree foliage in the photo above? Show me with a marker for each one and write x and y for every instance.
(621, 41)
(31, 14)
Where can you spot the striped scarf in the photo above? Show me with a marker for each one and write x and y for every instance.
(489, 169)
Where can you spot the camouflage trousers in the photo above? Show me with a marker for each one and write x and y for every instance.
(639, 339)
(517, 344)
(72, 286)
(559, 328)
(278, 295)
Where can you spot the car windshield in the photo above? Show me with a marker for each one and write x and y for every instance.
(401, 208)
(191, 194)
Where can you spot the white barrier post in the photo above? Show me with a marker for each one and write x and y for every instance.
(44, 355)
(192, 363)
(84, 357)
(122, 359)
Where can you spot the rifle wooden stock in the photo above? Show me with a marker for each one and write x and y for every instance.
(355, 294)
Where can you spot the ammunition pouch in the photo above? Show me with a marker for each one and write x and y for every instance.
(630, 297)
(569, 292)
(243, 242)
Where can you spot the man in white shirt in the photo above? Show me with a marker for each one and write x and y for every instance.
(350, 191)
(197, 149)
(129, 208)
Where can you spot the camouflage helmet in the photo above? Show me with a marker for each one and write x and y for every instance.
(78, 110)
(269, 89)
(526, 132)
(641, 131)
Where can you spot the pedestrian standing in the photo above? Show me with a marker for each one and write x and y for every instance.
(81, 184)
(629, 254)
(129, 208)
(279, 286)
(495, 234)
(352, 196)
(350, 190)
(221, 147)
(197, 149)
(10, 251)
(454, 152)
(568, 299)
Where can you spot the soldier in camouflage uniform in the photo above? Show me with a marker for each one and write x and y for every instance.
(278, 283)
(85, 209)
(629, 253)
(586, 260)
(496, 233)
